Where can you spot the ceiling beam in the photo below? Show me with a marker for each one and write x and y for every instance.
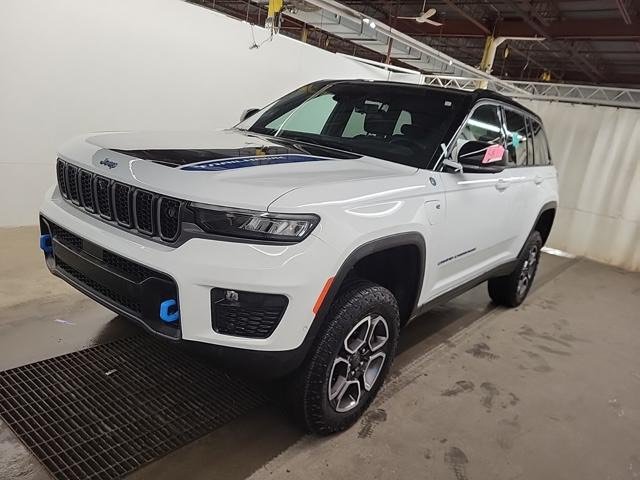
(587, 29)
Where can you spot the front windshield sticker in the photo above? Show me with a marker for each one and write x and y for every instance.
(243, 162)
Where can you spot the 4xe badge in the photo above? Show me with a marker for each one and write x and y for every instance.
(108, 163)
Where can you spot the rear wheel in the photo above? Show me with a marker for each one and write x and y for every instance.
(349, 361)
(511, 290)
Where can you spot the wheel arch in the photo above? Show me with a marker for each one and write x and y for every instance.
(360, 260)
(544, 222)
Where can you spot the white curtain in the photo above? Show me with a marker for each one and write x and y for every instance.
(597, 153)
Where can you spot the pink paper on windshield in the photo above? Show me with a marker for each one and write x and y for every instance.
(493, 154)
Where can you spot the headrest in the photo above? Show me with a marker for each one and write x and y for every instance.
(378, 123)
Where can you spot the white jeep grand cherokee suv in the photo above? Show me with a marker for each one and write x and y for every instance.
(300, 241)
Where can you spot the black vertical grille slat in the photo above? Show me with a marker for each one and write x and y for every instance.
(146, 212)
(122, 204)
(72, 183)
(86, 190)
(169, 218)
(103, 197)
(62, 183)
(144, 203)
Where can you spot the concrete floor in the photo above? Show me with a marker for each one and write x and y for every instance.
(548, 390)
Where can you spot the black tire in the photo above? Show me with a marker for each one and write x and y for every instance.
(309, 389)
(508, 290)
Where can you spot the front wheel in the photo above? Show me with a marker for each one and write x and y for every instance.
(349, 361)
(511, 290)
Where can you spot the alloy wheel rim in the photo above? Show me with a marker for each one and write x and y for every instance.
(358, 363)
(527, 271)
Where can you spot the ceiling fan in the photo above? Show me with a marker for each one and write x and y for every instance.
(425, 16)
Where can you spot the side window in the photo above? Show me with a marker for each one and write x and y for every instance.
(483, 126)
(540, 146)
(517, 144)
(311, 119)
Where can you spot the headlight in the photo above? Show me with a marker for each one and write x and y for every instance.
(254, 225)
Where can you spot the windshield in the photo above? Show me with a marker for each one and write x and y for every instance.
(401, 123)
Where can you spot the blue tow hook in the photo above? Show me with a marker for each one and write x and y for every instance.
(166, 315)
(45, 244)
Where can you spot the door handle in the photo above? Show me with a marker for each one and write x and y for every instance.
(537, 179)
(502, 184)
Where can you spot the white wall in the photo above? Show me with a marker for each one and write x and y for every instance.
(74, 66)
(597, 153)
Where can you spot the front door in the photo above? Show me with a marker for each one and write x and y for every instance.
(477, 207)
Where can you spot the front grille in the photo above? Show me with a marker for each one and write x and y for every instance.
(170, 214)
(122, 204)
(103, 197)
(86, 190)
(128, 207)
(62, 183)
(144, 212)
(79, 277)
(246, 314)
(72, 183)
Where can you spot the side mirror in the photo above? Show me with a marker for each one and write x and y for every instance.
(481, 157)
(248, 113)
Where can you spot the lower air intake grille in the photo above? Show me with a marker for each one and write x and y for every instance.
(132, 270)
(67, 238)
(246, 314)
(79, 277)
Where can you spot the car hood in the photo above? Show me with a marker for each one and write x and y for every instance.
(229, 168)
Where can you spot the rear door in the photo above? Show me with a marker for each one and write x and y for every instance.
(477, 207)
(520, 176)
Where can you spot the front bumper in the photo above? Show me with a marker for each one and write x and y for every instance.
(198, 266)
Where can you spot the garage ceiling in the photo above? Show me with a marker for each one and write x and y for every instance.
(590, 41)
(585, 41)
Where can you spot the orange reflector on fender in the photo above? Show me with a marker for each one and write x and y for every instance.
(323, 294)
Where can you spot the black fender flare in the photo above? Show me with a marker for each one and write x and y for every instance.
(298, 355)
(374, 246)
(553, 205)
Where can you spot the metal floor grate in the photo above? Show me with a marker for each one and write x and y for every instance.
(103, 412)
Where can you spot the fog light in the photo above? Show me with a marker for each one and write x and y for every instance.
(246, 314)
(231, 296)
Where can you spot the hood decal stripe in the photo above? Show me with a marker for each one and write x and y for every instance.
(255, 161)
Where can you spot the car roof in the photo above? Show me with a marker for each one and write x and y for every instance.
(473, 95)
